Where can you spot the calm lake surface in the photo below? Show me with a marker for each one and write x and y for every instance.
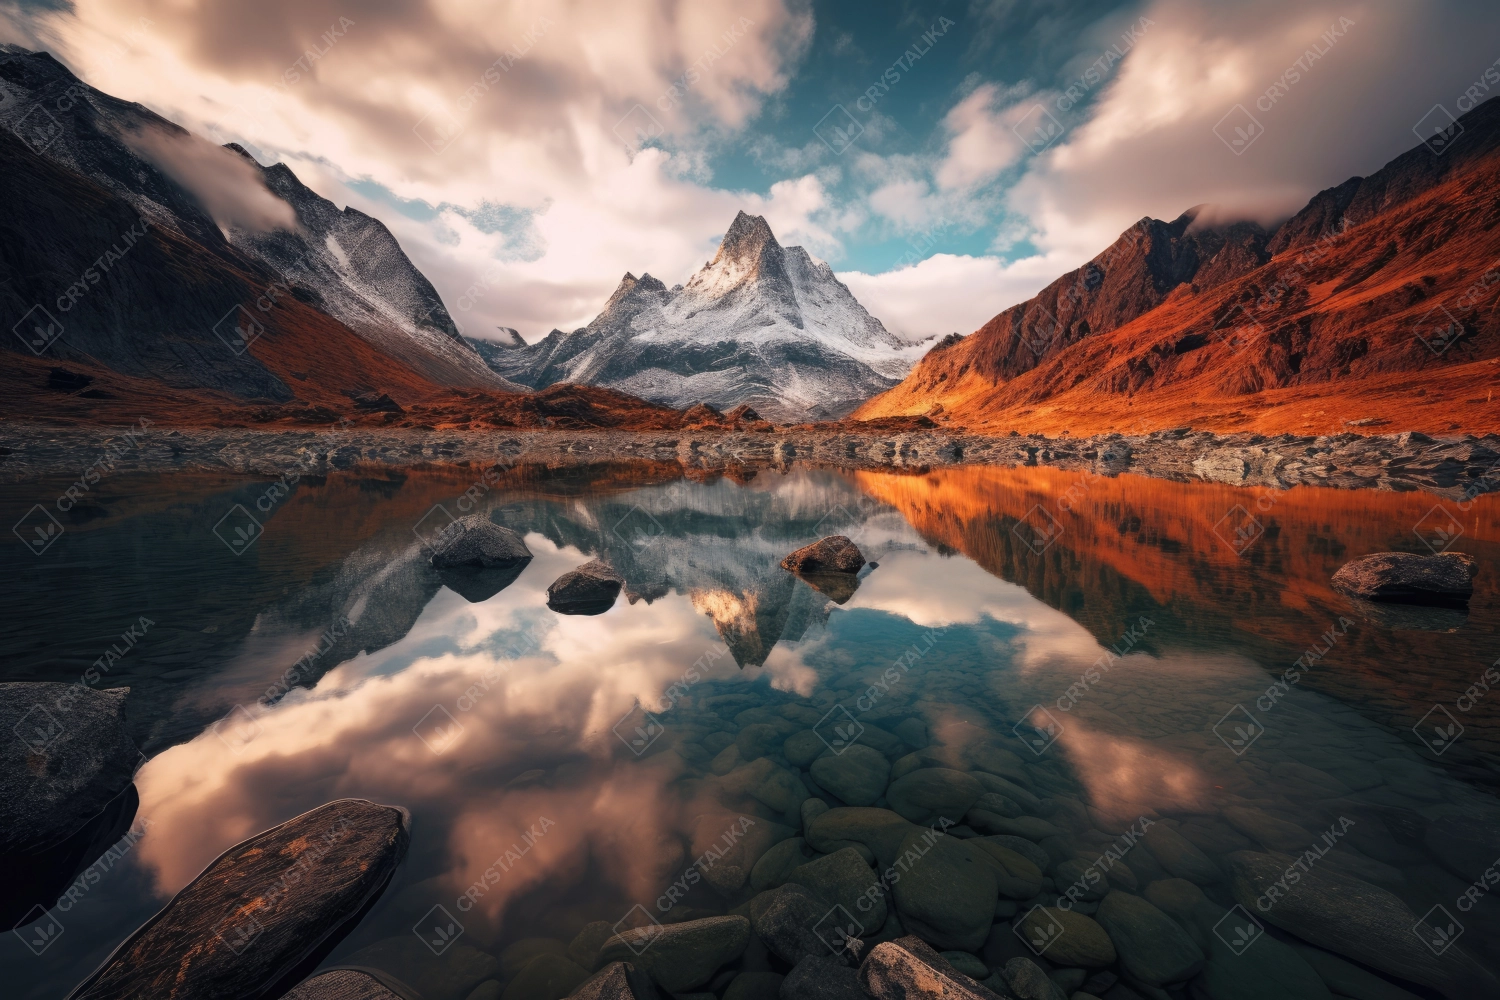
(576, 759)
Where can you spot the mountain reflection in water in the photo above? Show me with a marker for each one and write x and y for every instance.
(504, 727)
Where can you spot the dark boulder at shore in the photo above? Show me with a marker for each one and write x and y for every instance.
(833, 554)
(264, 913)
(476, 541)
(1446, 579)
(66, 791)
(591, 589)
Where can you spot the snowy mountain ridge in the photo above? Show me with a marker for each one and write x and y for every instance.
(760, 324)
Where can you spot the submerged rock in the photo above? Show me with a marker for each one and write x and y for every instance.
(590, 589)
(256, 917)
(1152, 947)
(787, 921)
(833, 554)
(681, 956)
(857, 776)
(477, 541)
(66, 764)
(1355, 919)
(1446, 579)
(821, 978)
(947, 892)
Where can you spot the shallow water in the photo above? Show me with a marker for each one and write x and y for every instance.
(1111, 661)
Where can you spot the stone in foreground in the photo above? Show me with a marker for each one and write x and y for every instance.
(907, 969)
(590, 589)
(1445, 580)
(681, 956)
(343, 984)
(251, 924)
(617, 981)
(476, 541)
(66, 764)
(833, 554)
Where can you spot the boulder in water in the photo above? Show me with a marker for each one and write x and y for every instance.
(833, 554)
(590, 589)
(1446, 579)
(476, 541)
(66, 764)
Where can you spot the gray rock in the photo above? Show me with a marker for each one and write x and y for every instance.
(754, 985)
(811, 810)
(1031, 827)
(843, 879)
(817, 977)
(1025, 847)
(1179, 857)
(759, 739)
(1018, 878)
(732, 843)
(681, 956)
(344, 854)
(777, 863)
(1080, 878)
(66, 764)
(1028, 982)
(912, 732)
(930, 757)
(546, 977)
(924, 795)
(832, 554)
(590, 589)
(947, 890)
(1354, 919)
(406, 959)
(519, 954)
(784, 919)
(584, 948)
(1152, 947)
(1408, 578)
(803, 748)
(1349, 980)
(617, 981)
(770, 784)
(1276, 834)
(879, 830)
(1267, 970)
(1075, 940)
(907, 969)
(477, 541)
(343, 984)
(857, 776)
(968, 964)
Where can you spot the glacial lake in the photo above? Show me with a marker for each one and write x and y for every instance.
(1166, 652)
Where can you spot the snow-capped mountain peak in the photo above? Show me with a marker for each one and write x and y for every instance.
(760, 324)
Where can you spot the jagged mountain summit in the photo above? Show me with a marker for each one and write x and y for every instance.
(760, 324)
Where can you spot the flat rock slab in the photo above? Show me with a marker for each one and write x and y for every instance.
(1408, 578)
(590, 589)
(343, 984)
(833, 554)
(248, 926)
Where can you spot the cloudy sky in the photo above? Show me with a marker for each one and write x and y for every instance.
(948, 158)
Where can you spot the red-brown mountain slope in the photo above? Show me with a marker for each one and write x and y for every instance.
(1377, 313)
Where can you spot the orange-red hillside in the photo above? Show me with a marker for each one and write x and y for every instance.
(1374, 309)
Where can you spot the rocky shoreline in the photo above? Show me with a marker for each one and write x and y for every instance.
(1458, 468)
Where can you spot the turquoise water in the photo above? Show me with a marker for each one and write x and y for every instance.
(564, 770)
